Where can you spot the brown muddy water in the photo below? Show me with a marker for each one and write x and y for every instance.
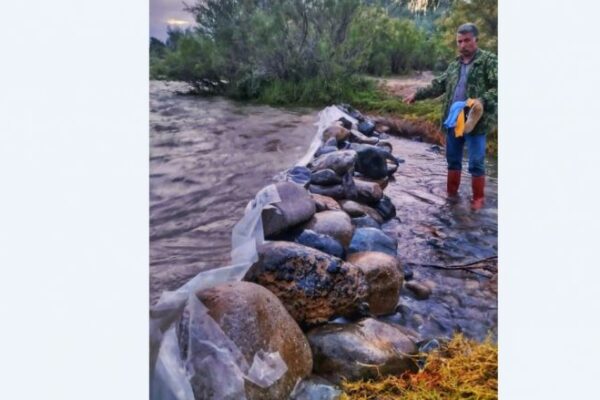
(209, 157)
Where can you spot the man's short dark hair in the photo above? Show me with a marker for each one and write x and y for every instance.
(468, 28)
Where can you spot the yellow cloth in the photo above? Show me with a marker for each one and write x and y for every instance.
(460, 121)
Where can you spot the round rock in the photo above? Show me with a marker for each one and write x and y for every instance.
(255, 320)
(296, 206)
(336, 224)
(384, 280)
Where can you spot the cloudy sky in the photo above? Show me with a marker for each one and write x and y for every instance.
(168, 12)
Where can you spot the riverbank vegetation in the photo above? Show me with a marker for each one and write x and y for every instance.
(459, 369)
(317, 52)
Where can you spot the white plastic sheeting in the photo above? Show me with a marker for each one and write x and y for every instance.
(214, 364)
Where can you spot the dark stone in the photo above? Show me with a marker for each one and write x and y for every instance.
(366, 127)
(371, 239)
(335, 224)
(365, 222)
(386, 208)
(299, 175)
(325, 203)
(371, 162)
(318, 241)
(325, 177)
(322, 286)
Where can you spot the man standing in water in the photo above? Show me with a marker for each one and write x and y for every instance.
(472, 77)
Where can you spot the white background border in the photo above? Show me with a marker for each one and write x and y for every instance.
(74, 199)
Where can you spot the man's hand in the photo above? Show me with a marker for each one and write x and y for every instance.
(410, 98)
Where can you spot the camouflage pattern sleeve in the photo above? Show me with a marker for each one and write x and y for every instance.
(490, 96)
(435, 89)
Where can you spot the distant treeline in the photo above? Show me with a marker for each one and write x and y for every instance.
(313, 51)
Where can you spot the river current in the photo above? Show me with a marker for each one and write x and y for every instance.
(209, 157)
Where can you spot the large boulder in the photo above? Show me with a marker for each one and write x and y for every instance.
(296, 206)
(372, 239)
(313, 286)
(336, 224)
(384, 279)
(362, 350)
(368, 192)
(256, 322)
(339, 161)
(355, 209)
(325, 203)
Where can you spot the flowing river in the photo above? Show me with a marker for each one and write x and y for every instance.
(209, 157)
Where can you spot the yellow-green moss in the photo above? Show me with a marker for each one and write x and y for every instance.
(460, 369)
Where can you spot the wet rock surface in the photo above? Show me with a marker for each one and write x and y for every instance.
(365, 349)
(296, 206)
(312, 285)
(384, 280)
(336, 224)
(255, 320)
(372, 239)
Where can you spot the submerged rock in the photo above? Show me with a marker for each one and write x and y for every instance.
(339, 161)
(371, 239)
(313, 286)
(296, 206)
(418, 290)
(255, 321)
(336, 224)
(384, 279)
(362, 350)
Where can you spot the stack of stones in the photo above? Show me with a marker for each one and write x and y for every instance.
(325, 274)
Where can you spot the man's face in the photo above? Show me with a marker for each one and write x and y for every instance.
(467, 44)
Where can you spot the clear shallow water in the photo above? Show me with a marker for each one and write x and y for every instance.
(208, 157)
(433, 230)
